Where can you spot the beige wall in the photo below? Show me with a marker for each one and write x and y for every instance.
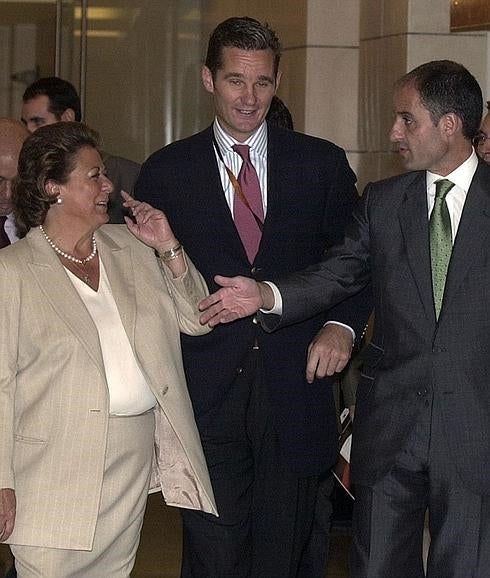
(396, 36)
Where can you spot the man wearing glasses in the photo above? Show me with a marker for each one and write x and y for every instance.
(482, 139)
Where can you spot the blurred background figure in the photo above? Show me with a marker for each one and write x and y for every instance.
(12, 135)
(279, 114)
(52, 99)
(482, 139)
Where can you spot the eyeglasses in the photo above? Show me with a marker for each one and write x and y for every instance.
(480, 138)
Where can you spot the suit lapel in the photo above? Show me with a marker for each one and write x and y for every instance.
(473, 232)
(274, 172)
(59, 291)
(413, 217)
(120, 273)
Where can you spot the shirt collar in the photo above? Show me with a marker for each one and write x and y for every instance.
(461, 176)
(257, 141)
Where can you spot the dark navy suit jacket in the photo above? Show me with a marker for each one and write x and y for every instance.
(311, 193)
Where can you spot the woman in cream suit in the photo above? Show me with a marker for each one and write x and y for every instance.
(93, 400)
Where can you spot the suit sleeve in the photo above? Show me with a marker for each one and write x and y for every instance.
(353, 311)
(123, 172)
(187, 291)
(344, 273)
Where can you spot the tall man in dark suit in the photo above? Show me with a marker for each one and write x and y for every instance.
(482, 139)
(422, 425)
(269, 434)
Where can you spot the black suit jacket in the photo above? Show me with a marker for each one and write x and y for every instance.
(123, 174)
(311, 192)
(413, 355)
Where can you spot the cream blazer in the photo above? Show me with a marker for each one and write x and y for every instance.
(53, 393)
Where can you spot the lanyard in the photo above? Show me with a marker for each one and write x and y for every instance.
(237, 187)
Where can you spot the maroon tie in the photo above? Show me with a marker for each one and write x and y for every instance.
(248, 219)
(4, 240)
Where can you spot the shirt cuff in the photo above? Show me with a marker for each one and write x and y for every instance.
(277, 309)
(343, 325)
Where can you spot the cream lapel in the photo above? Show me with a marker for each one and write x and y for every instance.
(63, 297)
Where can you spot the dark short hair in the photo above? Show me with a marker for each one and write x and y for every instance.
(48, 154)
(244, 33)
(279, 115)
(61, 94)
(446, 86)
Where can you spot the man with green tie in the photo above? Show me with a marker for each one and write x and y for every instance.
(421, 437)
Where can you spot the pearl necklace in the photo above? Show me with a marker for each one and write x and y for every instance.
(67, 255)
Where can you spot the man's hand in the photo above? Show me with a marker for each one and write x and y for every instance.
(329, 352)
(7, 512)
(239, 297)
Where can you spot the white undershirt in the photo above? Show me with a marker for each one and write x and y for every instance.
(129, 393)
(10, 228)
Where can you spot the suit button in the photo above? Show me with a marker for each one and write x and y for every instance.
(422, 392)
(164, 390)
(437, 349)
(254, 270)
(255, 320)
(239, 370)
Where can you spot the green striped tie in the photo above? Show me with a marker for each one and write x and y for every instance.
(441, 241)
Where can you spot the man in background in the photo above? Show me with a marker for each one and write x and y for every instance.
(52, 99)
(12, 135)
(482, 139)
(279, 114)
(244, 195)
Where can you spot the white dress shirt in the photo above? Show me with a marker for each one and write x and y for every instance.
(456, 197)
(10, 228)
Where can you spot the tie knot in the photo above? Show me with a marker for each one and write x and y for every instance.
(243, 151)
(443, 187)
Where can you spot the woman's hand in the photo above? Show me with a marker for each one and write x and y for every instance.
(7, 512)
(151, 227)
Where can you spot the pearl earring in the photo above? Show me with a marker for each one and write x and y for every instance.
(59, 201)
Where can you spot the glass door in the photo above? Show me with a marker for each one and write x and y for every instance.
(38, 38)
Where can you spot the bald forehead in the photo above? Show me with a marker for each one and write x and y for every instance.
(12, 134)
